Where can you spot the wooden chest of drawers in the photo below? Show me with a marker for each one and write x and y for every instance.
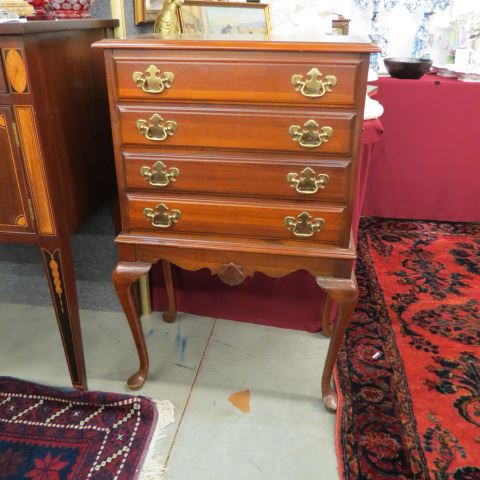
(237, 155)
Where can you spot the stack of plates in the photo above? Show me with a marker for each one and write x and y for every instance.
(464, 73)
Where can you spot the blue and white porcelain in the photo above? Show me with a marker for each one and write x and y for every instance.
(421, 42)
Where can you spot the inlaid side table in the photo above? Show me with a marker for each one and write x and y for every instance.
(56, 159)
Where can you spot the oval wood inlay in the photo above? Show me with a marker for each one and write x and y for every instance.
(20, 220)
(3, 121)
(16, 71)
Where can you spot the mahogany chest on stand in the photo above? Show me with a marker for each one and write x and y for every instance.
(238, 154)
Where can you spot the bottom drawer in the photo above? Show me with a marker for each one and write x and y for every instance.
(271, 220)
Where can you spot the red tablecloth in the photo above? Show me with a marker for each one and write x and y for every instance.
(427, 165)
(294, 301)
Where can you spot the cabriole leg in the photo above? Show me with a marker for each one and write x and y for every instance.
(345, 293)
(124, 276)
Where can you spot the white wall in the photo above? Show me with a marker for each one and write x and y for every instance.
(399, 22)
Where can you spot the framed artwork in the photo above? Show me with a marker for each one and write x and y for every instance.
(340, 26)
(191, 19)
(146, 10)
(206, 16)
(224, 17)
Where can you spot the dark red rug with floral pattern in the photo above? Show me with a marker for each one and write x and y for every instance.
(50, 434)
(409, 371)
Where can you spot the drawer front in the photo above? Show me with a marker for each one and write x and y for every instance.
(258, 129)
(281, 176)
(234, 79)
(3, 82)
(271, 220)
(14, 215)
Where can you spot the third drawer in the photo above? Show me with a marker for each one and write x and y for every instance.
(283, 176)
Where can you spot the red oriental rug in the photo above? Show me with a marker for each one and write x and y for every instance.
(52, 434)
(409, 371)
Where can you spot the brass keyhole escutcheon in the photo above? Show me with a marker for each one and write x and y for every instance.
(307, 181)
(153, 80)
(311, 135)
(161, 216)
(159, 175)
(313, 86)
(304, 225)
(156, 128)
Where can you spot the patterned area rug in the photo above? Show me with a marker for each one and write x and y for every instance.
(51, 434)
(409, 371)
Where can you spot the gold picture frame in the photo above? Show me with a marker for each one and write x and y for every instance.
(146, 11)
(193, 10)
(203, 16)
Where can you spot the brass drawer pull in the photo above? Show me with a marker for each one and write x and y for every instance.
(155, 128)
(307, 181)
(158, 175)
(313, 86)
(153, 81)
(304, 225)
(309, 136)
(161, 216)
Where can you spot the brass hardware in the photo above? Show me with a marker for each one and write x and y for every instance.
(155, 128)
(313, 86)
(30, 209)
(304, 225)
(307, 181)
(15, 134)
(309, 136)
(158, 175)
(153, 81)
(161, 216)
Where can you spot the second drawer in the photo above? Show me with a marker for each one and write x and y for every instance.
(249, 128)
(269, 220)
(259, 176)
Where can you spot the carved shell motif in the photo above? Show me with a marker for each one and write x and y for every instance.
(231, 274)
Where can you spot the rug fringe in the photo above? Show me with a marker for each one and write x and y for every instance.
(153, 468)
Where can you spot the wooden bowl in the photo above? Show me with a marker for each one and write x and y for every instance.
(412, 68)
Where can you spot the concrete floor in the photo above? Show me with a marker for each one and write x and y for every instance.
(197, 363)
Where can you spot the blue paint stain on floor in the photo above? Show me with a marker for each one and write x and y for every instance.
(181, 342)
(150, 333)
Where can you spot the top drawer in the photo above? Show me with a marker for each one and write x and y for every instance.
(253, 77)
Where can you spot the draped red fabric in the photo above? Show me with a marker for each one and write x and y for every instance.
(427, 165)
(293, 301)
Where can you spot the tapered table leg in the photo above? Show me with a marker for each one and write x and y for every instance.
(58, 262)
(171, 313)
(345, 293)
(124, 276)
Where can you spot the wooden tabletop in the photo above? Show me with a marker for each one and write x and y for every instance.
(41, 26)
(305, 43)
